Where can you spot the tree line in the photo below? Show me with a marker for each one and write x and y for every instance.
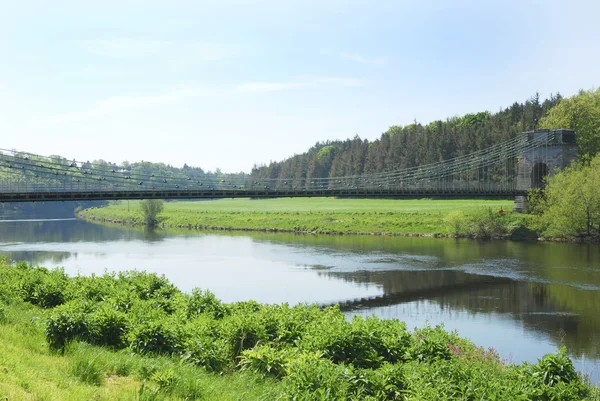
(411, 145)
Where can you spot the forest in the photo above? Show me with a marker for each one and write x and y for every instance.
(411, 145)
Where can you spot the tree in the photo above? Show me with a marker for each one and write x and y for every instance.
(571, 203)
(582, 114)
(151, 208)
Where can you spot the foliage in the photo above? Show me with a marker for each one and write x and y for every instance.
(555, 368)
(363, 342)
(482, 223)
(581, 113)
(571, 202)
(201, 302)
(151, 208)
(316, 354)
(44, 288)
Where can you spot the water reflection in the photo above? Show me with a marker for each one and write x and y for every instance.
(565, 313)
(525, 299)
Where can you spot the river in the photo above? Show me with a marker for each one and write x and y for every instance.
(523, 299)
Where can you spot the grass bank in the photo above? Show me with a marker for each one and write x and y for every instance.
(134, 336)
(321, 215)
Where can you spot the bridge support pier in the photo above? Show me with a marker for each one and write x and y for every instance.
(521, 205)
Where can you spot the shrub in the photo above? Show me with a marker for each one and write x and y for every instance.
(242, 331)
(432, 343)
(204, 302)
(44, 288)
(151, 208)
(108, 326)
(488, 224)
(93, 288)
(385, 383)
(154, 336)
(213, 354)
(268, 360)
(310, 377)
(66, 324)
(286, 325)
(555, 368)
(363, 342)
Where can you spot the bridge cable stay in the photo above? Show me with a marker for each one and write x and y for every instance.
(488, 169)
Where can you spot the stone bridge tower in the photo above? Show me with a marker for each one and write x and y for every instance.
(535, 164)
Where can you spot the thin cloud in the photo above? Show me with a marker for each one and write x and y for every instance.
(118, 104)
(181, 51)
(282, 86)
(365, 60)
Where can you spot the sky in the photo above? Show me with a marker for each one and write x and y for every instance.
(233, 83)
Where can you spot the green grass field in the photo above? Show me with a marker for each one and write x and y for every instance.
(321, 215)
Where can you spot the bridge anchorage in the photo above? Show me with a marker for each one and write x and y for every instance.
(536, 164)
(504, 170)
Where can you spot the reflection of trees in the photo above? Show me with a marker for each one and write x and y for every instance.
(151, 235)
(49, 258)
(62, 231)
(563, 312)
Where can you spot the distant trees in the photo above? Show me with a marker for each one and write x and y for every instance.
(151, 208)
(409, 146)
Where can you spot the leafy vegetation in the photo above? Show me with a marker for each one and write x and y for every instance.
(570, 204)
(135, 336)
(582, 114)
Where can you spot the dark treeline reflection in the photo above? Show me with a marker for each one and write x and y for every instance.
(70, 230)
(566, 313)
(41, 232)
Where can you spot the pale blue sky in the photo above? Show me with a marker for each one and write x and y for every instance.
(230, 83)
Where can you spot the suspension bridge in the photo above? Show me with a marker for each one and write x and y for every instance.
(504, 170)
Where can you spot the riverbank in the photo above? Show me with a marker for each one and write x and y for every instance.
(136, 336)
(425, 217)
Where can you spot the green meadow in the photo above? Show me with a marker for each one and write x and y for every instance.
(318, 215)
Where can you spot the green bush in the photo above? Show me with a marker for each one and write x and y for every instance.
(242, 331)
(108, 326)
(268, 360)
(157, 336)
(555, 368)
(44, 288)
(213, 354)
(363, 342)
(65, 324)
(149, 285)
(430, 344)
(311, 377)
(204, 302)
(385, 383)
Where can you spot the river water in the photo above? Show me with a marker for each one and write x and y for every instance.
(523, 299)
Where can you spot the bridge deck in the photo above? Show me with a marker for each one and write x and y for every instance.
(220, 193)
